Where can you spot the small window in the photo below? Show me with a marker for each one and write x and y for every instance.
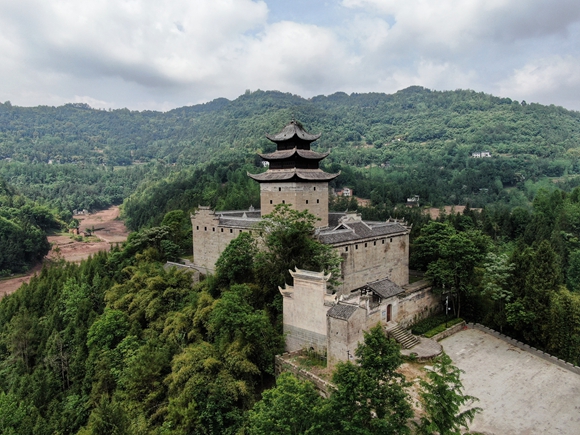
(355, 246)
(205, 228)
(283, 202)
(391, 240)
(317, 201)
(306, 201)
(231, 231)
(315, 188)
(213, 229)
(375, 243)
(383, 241)
(222, 230)
(366, 245)
(197, 227)
(346, 249)
(279, 189)
(270, 201)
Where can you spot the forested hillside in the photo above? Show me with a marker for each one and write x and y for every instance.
(23, 226)
(415, 142)
(68, 187)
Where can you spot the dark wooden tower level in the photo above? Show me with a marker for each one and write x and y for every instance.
(293, 176)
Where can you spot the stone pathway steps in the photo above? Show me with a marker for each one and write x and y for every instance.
(402, 336)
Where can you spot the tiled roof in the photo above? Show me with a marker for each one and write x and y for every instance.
(342, 311)
(385, 288)
(293, 174)
(352, 231)
(333, 218)
(291, 130)
(254, 214)
(238, 223)
(286, 154)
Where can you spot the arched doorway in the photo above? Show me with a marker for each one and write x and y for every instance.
(389, 312)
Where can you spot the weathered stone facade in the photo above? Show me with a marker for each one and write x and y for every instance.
(300, 195)
(305, 307)
(348, 316)
(212, 232)
(370, 251)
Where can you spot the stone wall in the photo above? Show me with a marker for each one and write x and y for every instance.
(527, 347)
(282, 364)
(449, 332)
(304, 311)
(418, 302)
(373, 259)
(300, 195)
(345, 335)
(210, 239)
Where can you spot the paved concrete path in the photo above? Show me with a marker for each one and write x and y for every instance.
(425, 349)
(520, 393)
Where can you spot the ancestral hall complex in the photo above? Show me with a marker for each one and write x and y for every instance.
(375, 267)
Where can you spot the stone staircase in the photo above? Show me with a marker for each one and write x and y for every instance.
(402, 336)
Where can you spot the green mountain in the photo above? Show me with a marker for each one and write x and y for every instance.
(388, 147)
(361, 128)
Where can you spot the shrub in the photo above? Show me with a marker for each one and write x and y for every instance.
(422, 326)
(442, 327)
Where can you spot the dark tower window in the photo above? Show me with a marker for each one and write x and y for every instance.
(279, 189)
(315, 188)
(283, 202)
(317, 201)
(306, 201)
(270, 201)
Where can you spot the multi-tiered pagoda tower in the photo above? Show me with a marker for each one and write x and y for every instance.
(293, 176)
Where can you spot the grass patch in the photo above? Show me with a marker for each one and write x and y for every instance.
(426, 325)
(310, 359)
(415, 278)
(442, 327)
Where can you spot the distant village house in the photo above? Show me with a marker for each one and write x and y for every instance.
(480, 154)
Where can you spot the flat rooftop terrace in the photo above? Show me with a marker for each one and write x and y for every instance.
(520, 393)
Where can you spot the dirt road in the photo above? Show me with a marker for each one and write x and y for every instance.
(108, 229)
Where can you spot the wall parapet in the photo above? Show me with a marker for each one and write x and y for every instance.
(449, 331)
(545, 356)
(283, 364)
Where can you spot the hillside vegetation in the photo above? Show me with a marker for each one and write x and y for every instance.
(389, 147)
(23, 227)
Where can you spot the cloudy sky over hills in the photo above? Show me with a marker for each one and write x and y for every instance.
(148, 54)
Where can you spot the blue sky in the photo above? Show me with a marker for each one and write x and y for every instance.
(146, 54)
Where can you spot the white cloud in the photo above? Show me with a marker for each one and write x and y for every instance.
(149, 42)
(545, 80)
(148, 54)
(456, 23)
(296, 57)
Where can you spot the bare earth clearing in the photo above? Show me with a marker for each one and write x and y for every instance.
(108, 229)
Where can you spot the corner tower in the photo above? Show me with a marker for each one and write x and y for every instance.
(293, 176)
